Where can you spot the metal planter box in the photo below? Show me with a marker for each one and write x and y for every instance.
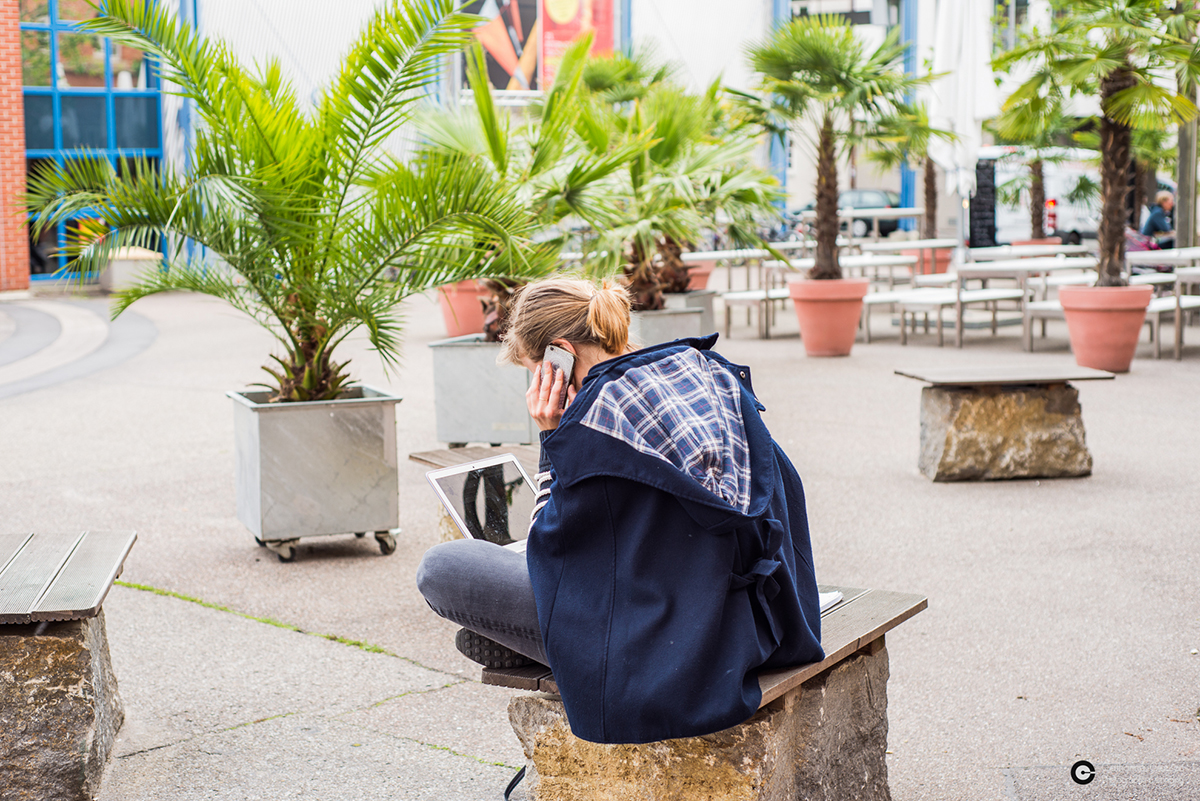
(477, 400)
(317, 468)
(701, 299)
(648, 328)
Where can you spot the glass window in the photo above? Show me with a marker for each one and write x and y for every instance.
(76, 10)
(80, 60)
(84, 121)
(136, 121)
(129, 68)
(35, 11)
(39, 122)
(35, 58)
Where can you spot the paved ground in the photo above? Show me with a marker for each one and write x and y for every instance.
(1061, 620)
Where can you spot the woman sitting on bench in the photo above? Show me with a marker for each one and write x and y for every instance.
(668, 560)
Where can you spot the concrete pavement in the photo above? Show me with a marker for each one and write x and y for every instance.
(1061, 621)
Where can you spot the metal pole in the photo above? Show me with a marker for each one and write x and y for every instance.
(1185, 214)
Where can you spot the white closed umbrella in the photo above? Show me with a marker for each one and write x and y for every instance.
(965, 95)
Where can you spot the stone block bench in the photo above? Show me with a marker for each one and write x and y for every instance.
(820, 731)
(59, 707)
(988, 423)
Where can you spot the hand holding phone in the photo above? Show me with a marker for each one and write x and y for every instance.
(563, 360)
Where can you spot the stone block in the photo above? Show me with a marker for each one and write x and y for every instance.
(59, 710)
(1002, 432)
(823, 741)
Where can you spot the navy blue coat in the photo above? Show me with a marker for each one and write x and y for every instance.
(659, 600)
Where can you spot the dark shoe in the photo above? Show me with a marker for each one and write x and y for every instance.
(488, 653)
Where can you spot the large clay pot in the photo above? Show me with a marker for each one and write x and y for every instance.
(828, 312)
(699, 272)
(1104, 323)
(462, 307)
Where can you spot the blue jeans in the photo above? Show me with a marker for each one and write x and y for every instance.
(485, 588)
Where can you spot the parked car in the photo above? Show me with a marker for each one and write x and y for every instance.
(864, 199)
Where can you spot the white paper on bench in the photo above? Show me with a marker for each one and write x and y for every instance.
(828, 599)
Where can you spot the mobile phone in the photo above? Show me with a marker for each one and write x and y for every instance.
(562, 360)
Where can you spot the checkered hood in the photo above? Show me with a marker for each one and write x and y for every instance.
(685, 410)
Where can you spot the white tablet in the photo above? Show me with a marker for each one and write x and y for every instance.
(491, 499)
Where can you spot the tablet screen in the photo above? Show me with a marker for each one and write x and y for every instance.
(493, 502)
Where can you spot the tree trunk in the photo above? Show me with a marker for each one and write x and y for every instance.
(930, 199)
(826, 265)
(673, 273)
(1037, 200)
(306, 373)
(1139, 194)
(643, 283)
(1115, 150)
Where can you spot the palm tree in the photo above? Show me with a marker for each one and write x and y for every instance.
(697, 170)
(313, 228)
(1037, 125)
(1118, 49)
(822, 74)
(904, 138)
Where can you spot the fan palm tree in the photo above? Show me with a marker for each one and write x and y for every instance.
(823, 75)
(1037, 127)
(904, 138)
(313, 227)
(1120, 49)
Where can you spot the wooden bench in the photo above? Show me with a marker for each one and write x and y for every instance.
(58, 694)
(821, 726)
(1002, 422)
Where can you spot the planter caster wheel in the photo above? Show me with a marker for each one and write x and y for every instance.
(387, 542)
(360, 534)
(284, 549)
(261, 544)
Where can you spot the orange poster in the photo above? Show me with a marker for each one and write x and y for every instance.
(563, 21)
(510, 39)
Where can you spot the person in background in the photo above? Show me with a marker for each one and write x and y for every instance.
(1158, 225)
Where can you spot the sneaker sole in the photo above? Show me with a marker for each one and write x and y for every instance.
(487, 652)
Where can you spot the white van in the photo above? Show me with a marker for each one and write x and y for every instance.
(1073, 222)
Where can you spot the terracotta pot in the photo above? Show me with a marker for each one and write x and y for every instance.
(828, 312)
(462, 307)
(941, 259)
(699, 272)
(1104, 323)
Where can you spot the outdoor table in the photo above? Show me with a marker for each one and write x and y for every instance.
(771, 269)
(1004, 252)
(873, 214)
(1017, 269)
(919, 245)
(1182, 257)
(999, 422)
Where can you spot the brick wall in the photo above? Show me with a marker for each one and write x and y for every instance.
(14, 237)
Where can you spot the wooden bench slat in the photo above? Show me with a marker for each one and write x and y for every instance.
(30, 572)
(522, 678)
(856, 624)
(10, 546)
(860, 618)
(83, 582)
(527, 455)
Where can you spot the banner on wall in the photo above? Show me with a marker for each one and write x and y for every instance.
(510, 39)
(564, 21)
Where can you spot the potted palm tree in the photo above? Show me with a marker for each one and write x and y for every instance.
(312, 228)
(823, 75)
(1116, 50)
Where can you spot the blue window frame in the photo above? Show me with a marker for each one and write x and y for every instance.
(85, 96)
